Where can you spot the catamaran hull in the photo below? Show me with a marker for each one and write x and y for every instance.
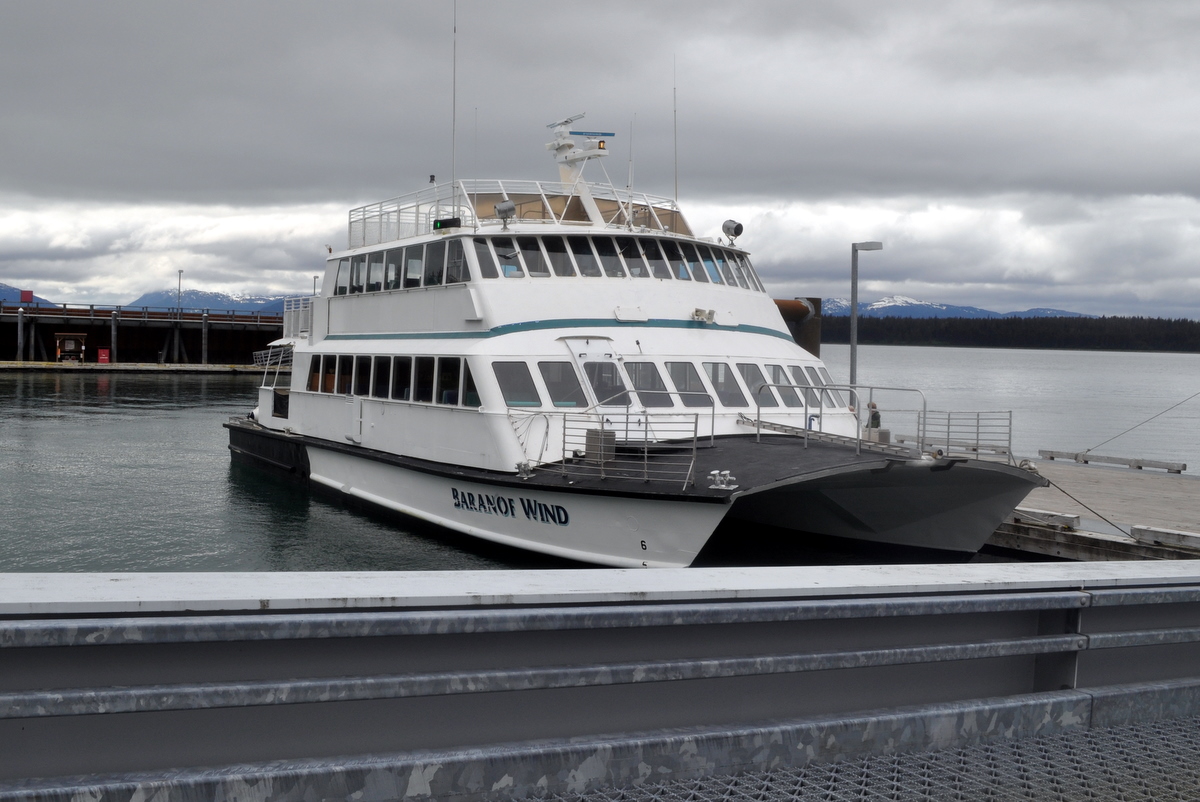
(943, 506)
(951, 506)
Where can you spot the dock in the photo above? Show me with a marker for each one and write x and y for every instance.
(598, 683)
(172, 335)
(1157, 514)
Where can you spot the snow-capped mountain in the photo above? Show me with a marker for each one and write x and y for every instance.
(12, 295)
(903, 306)
(199, 300)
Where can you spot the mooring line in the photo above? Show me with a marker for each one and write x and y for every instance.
(1147, 420)
(1086, 507)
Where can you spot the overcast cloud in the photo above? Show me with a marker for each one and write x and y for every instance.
(1009, 154)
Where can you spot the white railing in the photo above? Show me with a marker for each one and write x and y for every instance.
(297, 317)
(472, 200)
(968, 434)
(630, 445)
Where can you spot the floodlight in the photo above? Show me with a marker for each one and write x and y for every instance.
(732, 229)
(506, 210)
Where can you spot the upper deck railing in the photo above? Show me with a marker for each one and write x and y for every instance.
(473, 201)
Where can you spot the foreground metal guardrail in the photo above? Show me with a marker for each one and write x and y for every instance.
(569, 680)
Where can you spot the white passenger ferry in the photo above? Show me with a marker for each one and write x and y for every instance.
(565, 367)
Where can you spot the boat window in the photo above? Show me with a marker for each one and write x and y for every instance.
(314, 374)
(358, 269)
(510, 260)
(693, 262)
(818, 382)
(725, 383)
(402, 379)
(556, 251)
(733, 264)
(779, 376)
(688, 384)
(392, 272)
(329, 382)
(535, 263)
(801, 379)
(562, 384)
(723, 266)
(837, 397)
(413, 265)
(584, 257)
(628, 247)
(606, 383)
(658, 264)
(710, 267)
(342, 285)
(744, 262)
(345, 374)
(675, 259)
(608, 257)
(651, 389)
(753, 376)
(435, 263)
(375, 272)
(362, 375)
(516, 384)
(449, 375)
(487, 262)
(457, 271)
(470, 394)
(423, 379)
(382, 377)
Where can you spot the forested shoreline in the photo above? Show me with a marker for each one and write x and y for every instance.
(1067, 333)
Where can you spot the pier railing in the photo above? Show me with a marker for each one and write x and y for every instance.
(156, 313)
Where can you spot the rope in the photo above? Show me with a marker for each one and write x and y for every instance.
(1086, 507)
(1147, 420)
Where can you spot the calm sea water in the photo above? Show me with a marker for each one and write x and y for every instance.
(131, 473)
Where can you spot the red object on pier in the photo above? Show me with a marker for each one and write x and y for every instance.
(102, 356)
(26, 296)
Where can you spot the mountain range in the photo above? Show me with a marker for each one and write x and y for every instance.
(903, 306)
(199, 299)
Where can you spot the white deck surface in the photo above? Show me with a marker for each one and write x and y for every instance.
(25, 594)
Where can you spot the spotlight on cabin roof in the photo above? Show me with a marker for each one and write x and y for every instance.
(506, 210)
(732, 229)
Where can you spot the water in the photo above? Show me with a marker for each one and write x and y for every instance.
(126, 472)
(1061, 400)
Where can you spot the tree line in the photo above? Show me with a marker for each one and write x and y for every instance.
(1067, 333)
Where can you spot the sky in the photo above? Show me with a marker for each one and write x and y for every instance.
(1009, 155)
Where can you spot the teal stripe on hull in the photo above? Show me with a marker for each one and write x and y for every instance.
(567, 323)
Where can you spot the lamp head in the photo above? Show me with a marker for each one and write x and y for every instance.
(732, 229)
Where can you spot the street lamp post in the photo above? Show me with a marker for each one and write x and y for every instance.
(854, 249)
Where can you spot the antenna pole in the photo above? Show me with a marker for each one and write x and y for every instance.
(454, 115)
(629, 186)
(675, 123)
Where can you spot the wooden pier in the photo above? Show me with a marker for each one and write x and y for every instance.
(1157, 515)
(159, 335)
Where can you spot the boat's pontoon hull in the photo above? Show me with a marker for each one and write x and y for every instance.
(933, 505)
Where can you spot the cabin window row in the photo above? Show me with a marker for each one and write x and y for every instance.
(613, 386)
(444, 380)
(431, 264)
(434, 264)
(615, 257)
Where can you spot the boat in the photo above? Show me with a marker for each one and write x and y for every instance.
(566, 367)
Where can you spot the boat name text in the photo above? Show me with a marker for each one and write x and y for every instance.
(508, 507)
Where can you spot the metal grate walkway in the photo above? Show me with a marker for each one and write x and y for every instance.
(1159, 761)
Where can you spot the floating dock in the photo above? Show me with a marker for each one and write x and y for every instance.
(607, 684)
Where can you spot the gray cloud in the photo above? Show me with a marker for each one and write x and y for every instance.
(1053, 146)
